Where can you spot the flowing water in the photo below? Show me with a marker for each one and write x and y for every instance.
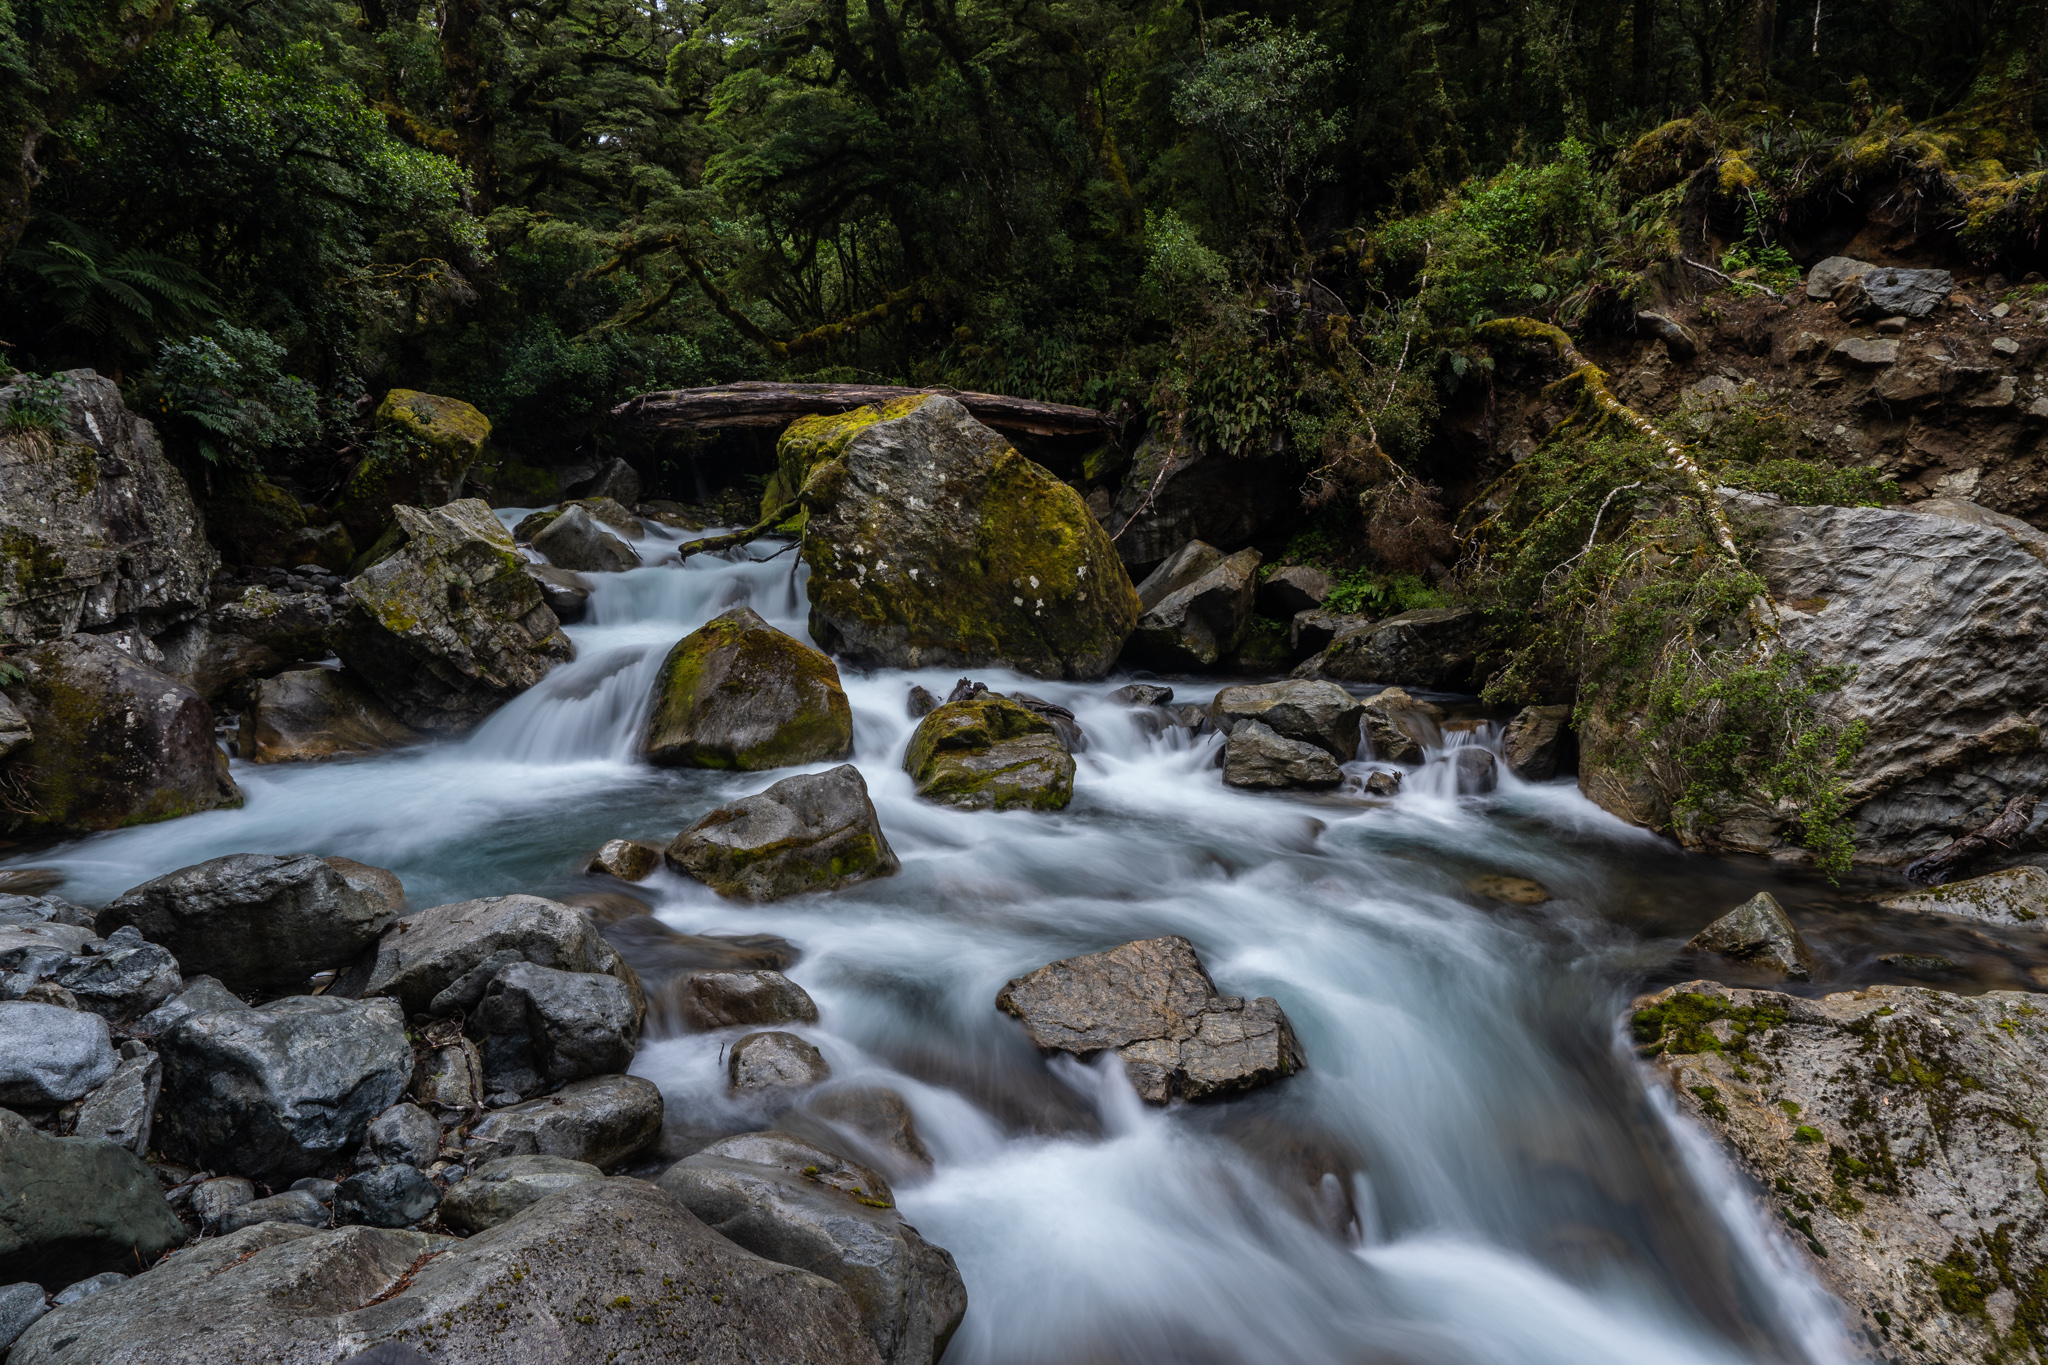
(1471, 1169)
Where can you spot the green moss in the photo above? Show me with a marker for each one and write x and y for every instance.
(956, 757)
(1680, 1026)
(729, 668)
(811, 441)
(1808, 1133)
(31, 560)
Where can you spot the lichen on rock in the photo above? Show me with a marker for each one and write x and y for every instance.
(428, 444)
(738, 693)
(990, 753)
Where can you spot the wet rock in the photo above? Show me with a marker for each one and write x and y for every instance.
(1195, 626)
(22, 911)
(604, 1271)
(499, 1190)
(715, 1000)
(293, 1206)
(658, 952)
(116, 742)
(392, 1196)
(932, 543)
(1152, 1003)
(1396, 725)
(1064, 727)
(539, 1027)
(449, 1076)
(1759, 932)
(428, 951)
(100, 524)
(1382, 784)
(2013, 895)
(20, 1306)
(121, 976)
(1142, 694)
(1512, 890)
(879, 1120)
(29, 881)
(566, 592)
(1318, 713)
(787, 1200)
(921, 703)
(1900, 1130)
(604, 1122)
(74, 1206)
(1534, 741)
(87, 1287)
(201, 995)
(1436, 647)
(310, 714)
(449, 626)
(738, 693)
(626, 859)
(1255, 757)
(1293, 588)
(431, 443)
(1477, 773)
(51, 1056)
(1884, 292)
(255, 921)
(215, 1199)
(989, 753)
(774, 1061)
(812, 832)
(1174, 493)
(575, 541)
(284, 1090)
(404, 1133)
(123, 1109)
(1311, 632)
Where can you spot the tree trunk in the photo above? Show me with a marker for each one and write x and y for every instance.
(469, 88)
(763, 404)
(2002, 833)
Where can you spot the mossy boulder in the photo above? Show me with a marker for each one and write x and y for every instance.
(738, 693)
(427, 444)
(514, 483)
(990, 753)
(812, 832)
(449, 626)
(932, 543)
(811, 441)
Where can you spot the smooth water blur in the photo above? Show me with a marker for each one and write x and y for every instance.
(1511, 1188)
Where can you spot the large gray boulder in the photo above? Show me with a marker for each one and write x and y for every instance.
(1152, 1003)
(310, 714)
(772, 1063)
(254, 921)
(1900, 1133)
(449, 626)
(1318, 713)
(120, 976)
(738, 693)
(987, 752)
(812, 832)
(50, 1055)
(498, 1191)
(604, 1122)
(70, 1207)
(281, 1091)
(932, 543)
(576, 542)
(610, 1270)
(116, 742)
(790, 1201)
(1434, 647)
(1255, 757)
(1195, 626)
(98, 528)
(1758, 932)
(427, 952)
(539, 1027)
(1178, 570)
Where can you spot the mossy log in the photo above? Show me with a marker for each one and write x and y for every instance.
(765, 404)
(2000, 836)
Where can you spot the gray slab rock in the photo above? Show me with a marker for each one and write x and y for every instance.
(395, 1195)
(41, 908)
(123, 1110)
(796, 1203)
(1195, 626)
(281, 1091)
(1152, 1003)
(1890, 292)
(1292, 589)
(1256, 758)
(1758, 932)
(74, 1206)
(214, 1200)
(566, 592)
(293, 1206)
(608, 1270)
(604, 1122)
(403, 1133)
(497, 1191)
(1183, 568)
(428, 951)
(1825, 277)
(575, 541)
(1435, 647)
(121, 976)
(1318, 713)
(773, 1062)
(715, 1000)
(51, 1056)
(21, 1305)
(1534, 741)
(87, 1287)
(539, 1027)
(812, 832)
(2013, 895)
(201, 995)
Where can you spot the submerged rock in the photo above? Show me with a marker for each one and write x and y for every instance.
(311, 714)
(1254, 756)
(932, 543)
(990, 753)
(1759, 932)
(1153, 1004)
(738, 693)
(2013, 895)
(626, 859)
(715, 1000)
(812, 832)
(72, 1206)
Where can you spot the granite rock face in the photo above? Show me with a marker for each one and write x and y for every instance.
(1897, 1133)
(812, 832)
(738, 693)
(1153, 1004)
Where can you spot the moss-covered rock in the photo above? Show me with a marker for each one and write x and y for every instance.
(738, 693)
(809, 442)
(990, 753)
(811, 832)
(251, 519)
(932, 543)
(427, 445)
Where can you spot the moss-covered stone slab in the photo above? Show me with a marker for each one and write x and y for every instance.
(2012, 895)
(738, 693)
(990, 753)
(812, 832)
(428, 445)
(932, 543)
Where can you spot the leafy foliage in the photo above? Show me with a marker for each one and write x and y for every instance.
(232, 388)
(37, 404)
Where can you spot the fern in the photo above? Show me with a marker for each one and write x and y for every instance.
(132, 296)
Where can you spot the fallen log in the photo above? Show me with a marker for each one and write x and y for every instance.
(2002, 833)
(757, 403)
(731, 538)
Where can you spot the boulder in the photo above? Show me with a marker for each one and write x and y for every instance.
(1142, 694)
(989, 753)
(715, 1000)
(1318, 713)
(293, 1206)
(1183, 568)
(20, 1306)
(1256, 757)
(449, 626)
(878, 1121)
(1759, 932)
(87, 1287)
(1311, 632)
(1475, 770)
(498, 1191)
(738, 693)
(73, 1206)
(255, 921)
(2013, 895)
(310, 714)
(538, 1027)
(404, 1133)
(390, 1196)
(614, 481)
(1888, 292)
(812, 832)
(122, 1110)
(626, 859)
(121, 976)
(921, 702)
(97, 528)
(427, 952)
(566, 592)
(1534, 741)
(1153, 1004)
(774, 1061)
(1825, 277)
(604, 1122)
(1396, 725)
(116, 742)
(1291, 589)
(932, 543)
(1436, 647)
(1900, 1132)
(50, 1055)
(606, 1270)
(1196, 626)
(428, 445)
(284, 1090)
(575, 541)
(1175, 493)
(201, 995)
(783, 1198)
(253, 635)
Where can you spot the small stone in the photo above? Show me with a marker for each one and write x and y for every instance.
(2001, 310)
(2005, 346)
(1477, 771)
(393, 1196)
(499, 1189)
(214, 1198)
(1513, 890)
(86, 1288)
(403, 1133)
(20, 1306)
(1866, 352)
(1893, 325)
(774, 1061)
(322, 1190)
(1382, 783)
(450, 1076)
(202, 995)
(1142, 694)
(303, 1207)
(1758, 931)
(921, 703)
(122, 1110)
(626, 859)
